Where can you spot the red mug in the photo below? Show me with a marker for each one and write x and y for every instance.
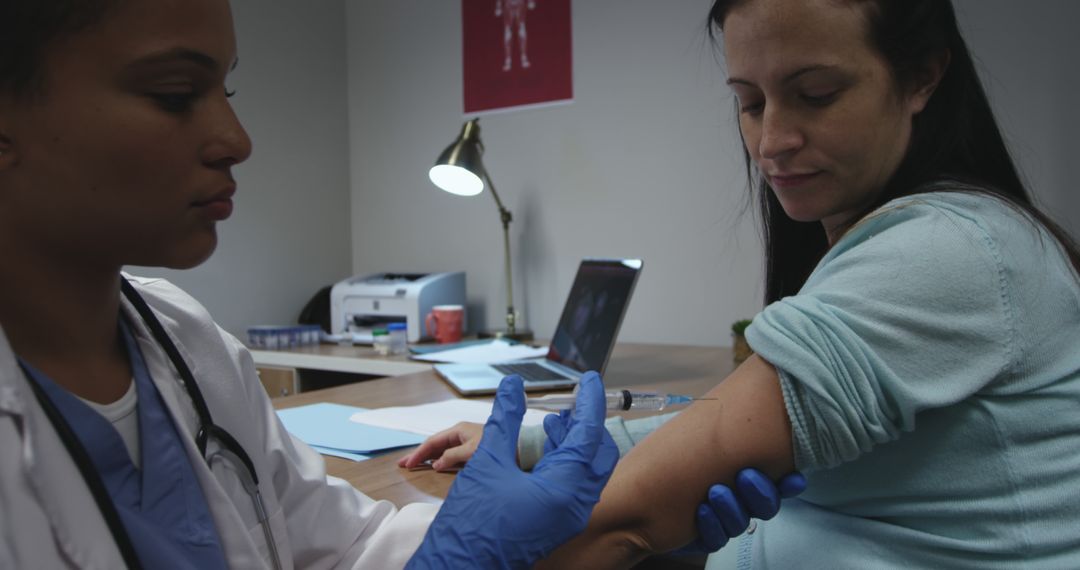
(444, 322)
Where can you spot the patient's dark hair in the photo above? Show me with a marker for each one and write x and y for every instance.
(954, 138)
(29, 27)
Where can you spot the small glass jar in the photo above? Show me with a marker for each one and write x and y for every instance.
(380, 340)
(399, 338)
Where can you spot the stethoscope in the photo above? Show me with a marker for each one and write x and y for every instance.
(229, 449)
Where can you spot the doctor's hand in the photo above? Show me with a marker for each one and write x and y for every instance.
(498, 516)
(727, 513)
(449, 449)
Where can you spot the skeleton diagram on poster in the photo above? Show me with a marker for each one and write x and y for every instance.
(517, 53)
(515, 15)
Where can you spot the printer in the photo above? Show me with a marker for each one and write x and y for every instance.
(360, 304)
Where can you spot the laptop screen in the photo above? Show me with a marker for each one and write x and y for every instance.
(593, 312)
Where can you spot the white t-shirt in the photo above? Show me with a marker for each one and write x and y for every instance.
(121, 414)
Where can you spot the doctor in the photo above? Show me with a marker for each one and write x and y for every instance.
(134, 431)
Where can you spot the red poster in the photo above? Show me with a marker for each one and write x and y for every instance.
(517, 53)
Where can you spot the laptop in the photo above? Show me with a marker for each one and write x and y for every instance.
(583, 339)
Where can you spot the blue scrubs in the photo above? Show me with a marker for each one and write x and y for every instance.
(162, 506)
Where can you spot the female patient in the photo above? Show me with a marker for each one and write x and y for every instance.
(918, 356)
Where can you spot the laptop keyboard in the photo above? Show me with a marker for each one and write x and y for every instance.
(530, 371)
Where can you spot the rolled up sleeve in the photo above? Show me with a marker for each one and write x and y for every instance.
(907, 312)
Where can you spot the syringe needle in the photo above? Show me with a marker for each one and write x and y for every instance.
(617, 400)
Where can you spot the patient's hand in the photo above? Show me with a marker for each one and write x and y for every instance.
(449, 449)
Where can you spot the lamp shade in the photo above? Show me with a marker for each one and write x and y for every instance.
(459, 168)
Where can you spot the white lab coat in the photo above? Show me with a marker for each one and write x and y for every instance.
(48, 517)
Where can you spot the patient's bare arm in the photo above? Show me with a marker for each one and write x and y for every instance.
(649, 504)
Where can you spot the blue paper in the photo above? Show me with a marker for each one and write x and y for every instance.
(327, 425)
(342, 454)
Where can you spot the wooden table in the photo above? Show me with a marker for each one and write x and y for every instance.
(356, 359)
(306, 368)
(673, 369)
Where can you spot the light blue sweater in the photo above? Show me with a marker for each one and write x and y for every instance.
(931, 370)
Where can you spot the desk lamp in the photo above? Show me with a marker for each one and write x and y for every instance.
(459, 170)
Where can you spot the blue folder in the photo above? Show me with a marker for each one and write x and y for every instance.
(327, 426)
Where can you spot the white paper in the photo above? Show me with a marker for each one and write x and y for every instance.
(429, 419)
(490, 353)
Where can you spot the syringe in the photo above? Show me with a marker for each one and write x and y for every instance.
(616, 400)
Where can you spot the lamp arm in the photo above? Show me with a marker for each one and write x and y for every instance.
(506, 217)
(502, 209)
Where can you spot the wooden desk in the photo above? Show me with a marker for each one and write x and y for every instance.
(359, 359)
(674, 369)
(289, 371)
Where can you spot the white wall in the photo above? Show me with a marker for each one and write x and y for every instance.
(289, 234)
(1028, 54)
(645, 162)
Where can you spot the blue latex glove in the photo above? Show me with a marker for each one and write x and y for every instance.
(498, 516)
(727, 514)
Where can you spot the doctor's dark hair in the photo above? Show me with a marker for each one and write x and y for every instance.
(29, 27)
(954, 139)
